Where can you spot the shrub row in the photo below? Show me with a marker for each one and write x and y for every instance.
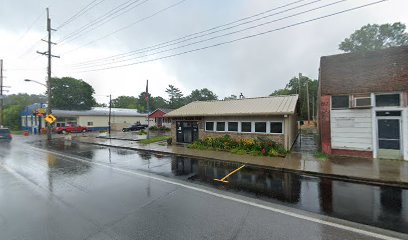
(258, 146)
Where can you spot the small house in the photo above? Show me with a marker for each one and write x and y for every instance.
(363, 104)
(159, 119)
(274, 117)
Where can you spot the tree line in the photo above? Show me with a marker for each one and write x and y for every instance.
(74, 94)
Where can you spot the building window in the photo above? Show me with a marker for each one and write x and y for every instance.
(246, 127)
(277, 127)
(260, 127)
(209, 126)
(387, 100)
(90, 123)
(232, 126)
(340, 102)
(220, 126)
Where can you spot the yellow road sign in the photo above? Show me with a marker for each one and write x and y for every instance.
(50, 119)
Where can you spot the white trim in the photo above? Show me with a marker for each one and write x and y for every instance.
(283, 127)
(227, 127)
(390, 93)
(401, 131)
(246, 122)
(205, 126)
(266, 128)
(404, 122)
(374, 127)
(225, 124)
(331, 102)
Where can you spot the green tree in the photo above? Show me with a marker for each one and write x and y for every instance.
(374, 37)
(293, 88)
(159, 102)
(176, 99)
(23, 99)
(71, 94)
(12, 117)
(201, 95)
(14, 104)
(125, 102)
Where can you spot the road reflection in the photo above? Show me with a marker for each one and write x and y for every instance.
(380, 206)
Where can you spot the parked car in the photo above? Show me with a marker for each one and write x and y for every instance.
(135, 127)
(71, 129)
(5, 134)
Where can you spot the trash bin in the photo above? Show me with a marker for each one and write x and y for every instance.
(26, 133)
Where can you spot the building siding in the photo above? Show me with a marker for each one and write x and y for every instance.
(351, 129)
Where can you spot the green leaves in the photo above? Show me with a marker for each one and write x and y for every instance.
(374, 37)
(68, 93)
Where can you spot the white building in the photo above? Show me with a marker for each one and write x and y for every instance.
(95, 119)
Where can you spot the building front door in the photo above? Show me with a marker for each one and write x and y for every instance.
(389, 138)
(187, 131)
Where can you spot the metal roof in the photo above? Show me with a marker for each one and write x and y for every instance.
(275, 105)
(99, 111)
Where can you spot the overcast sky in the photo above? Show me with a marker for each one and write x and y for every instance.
(255, 66)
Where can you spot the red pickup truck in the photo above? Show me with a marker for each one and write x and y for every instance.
(71, 129)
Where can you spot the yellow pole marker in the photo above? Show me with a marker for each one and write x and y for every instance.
(229, 174)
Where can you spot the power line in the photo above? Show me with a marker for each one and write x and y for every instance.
(242, 38)
(193, 34)
(107, 17)
(222, 35)
(31, 26)
(129, 25)
(81, 12)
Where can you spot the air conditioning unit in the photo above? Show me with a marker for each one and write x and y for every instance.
(362, 102)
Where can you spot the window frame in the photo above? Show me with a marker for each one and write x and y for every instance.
(227, 128)
(266, 126)
(339, 108)
(389, 93)
(250, 122)
(216, 126)
(283, 127)
(213, 122)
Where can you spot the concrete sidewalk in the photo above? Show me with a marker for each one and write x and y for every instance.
(376, 171)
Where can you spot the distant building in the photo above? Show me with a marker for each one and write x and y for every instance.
(159, 119)
(95, 119)
(274, 117)
(363, 104)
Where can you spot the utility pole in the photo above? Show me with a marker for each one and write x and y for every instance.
(148, 111)
(307, 101)
(313, 109)
(1, 92)
(110, 114)
(49, 55)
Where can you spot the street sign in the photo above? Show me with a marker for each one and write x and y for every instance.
(50, 119)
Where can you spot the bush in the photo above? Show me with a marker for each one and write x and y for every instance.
(162, 128)
(259, 146)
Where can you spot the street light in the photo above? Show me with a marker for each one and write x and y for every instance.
(29, 80)
(48, 87)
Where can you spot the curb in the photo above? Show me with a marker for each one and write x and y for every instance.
(345, 178)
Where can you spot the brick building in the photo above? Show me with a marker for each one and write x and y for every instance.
(363, 104)
(274, 117)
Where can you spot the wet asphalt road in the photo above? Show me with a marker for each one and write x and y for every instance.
(101, 193)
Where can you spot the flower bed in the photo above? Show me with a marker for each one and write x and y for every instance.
(260, 146)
